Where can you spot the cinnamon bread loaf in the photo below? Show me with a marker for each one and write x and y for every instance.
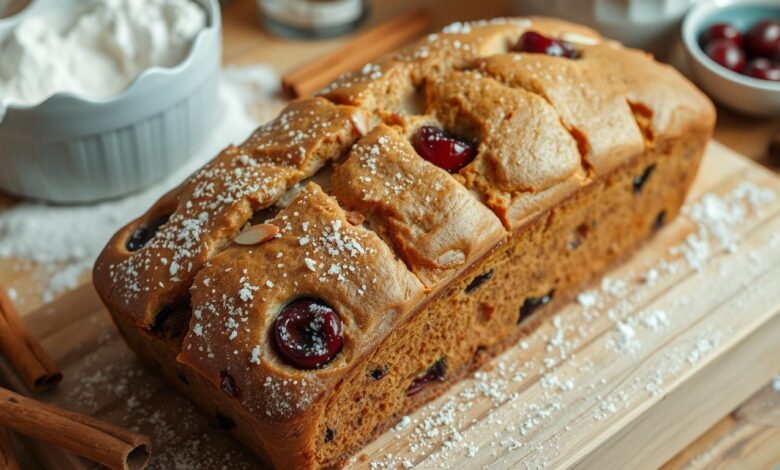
(403, 227)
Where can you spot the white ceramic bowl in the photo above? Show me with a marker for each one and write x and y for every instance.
(652, 25)
(75, 149)
(737, 91)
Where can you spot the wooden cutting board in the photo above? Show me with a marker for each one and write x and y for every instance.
(643, 364)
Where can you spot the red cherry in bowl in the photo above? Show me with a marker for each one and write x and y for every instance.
(443, 149)
(763, 69)
(727, 54)
(537, 43)
(763, 39)
(308, 333)
(721, 31)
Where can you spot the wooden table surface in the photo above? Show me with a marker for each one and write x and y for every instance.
(749, 437)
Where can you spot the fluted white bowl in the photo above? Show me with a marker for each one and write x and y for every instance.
(76, 149)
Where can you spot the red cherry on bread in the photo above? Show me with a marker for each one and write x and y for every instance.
(763, 69)
(443, 149)
(308, 333)
(537, 43)
(721, 31)
(727, 54)
(763, 39)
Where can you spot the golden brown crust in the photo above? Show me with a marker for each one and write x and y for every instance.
(317, 253)
(211, 206)
(546, 127)
(433, 222)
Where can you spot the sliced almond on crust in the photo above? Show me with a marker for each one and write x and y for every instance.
(360, 120)
(578, 38)
(450, 259)
(256, 234)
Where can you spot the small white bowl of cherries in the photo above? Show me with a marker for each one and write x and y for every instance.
(734, 52)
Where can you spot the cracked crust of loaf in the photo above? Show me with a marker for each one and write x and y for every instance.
(550, 131)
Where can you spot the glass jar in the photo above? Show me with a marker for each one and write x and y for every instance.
(311, 18)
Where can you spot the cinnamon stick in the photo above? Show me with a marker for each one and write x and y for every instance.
(49, 456)
(38, 370)
(7, 454)
(101, 442)
(362, 48)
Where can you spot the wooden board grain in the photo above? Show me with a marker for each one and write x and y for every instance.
(608, 383)
(746, 438)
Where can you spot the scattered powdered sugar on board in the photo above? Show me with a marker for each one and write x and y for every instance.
(65, 240)
(447, 429)
(112, 384)
(717, 219)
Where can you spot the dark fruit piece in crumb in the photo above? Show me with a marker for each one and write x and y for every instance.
(773, 151)
(145, 232)
(660, 220)
(478, 281)
(329, 434)
(721, 31)
(763, 39)
(537, 43)
(640, 180)
(532, 304)
(228, 384)
(225, 422)
(182, 378)
(379, 372)
(308, 333)
(443, 149)
(763, 69)
(171, 322)
(580, 233)
(727, 54)
(435, 373)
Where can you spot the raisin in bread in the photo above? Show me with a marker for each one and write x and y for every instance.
(412, 218)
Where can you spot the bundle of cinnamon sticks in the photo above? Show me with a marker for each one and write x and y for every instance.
(101, 442)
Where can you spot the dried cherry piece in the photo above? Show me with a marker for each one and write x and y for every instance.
(435, 373)
(532, 304)
(478, 281)
(639, 182)
(443, 149)
(145, 232)
(308, 333)
(228, 384)
(538, 43)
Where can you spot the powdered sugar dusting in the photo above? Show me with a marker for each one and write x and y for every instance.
(626, 314)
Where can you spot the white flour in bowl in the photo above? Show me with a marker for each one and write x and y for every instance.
(95, 51)
(65, 240)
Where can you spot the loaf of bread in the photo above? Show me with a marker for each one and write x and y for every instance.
(375, 244)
